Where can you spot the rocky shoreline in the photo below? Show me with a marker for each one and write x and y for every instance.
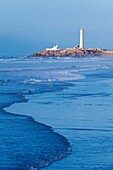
(74, 52)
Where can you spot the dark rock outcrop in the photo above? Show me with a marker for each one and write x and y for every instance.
(73, 52)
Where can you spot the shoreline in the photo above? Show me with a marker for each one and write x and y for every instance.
(59, 157)
(74, 52)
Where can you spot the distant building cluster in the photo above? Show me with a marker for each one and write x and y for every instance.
(81, 44)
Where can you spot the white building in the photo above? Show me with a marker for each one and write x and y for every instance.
(81, 38)
(53, 48)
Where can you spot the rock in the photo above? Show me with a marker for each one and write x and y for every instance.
(73, 52)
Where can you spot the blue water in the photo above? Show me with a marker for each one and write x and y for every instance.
(72, 95)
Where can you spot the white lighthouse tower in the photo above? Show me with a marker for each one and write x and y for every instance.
(81, 38)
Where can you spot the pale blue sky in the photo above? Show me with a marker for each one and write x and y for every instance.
(27, 26)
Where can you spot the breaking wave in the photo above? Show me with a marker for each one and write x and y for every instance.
(58, 79)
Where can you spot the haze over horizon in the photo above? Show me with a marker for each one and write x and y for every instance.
(29, 26)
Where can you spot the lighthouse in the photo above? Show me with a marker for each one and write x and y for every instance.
(81, 38)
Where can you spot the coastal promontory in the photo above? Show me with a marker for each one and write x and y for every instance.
(73, 52)
(78, 51)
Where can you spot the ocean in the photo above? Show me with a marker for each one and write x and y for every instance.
(56, 113)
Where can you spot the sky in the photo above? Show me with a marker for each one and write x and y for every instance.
(27, 26)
